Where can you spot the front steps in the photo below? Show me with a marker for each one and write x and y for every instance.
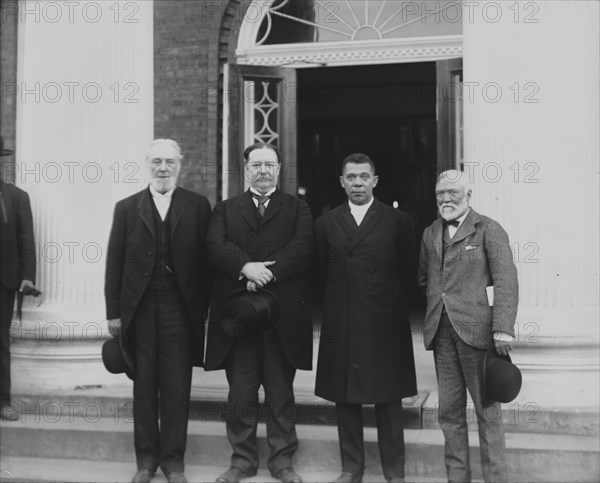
(99, 447)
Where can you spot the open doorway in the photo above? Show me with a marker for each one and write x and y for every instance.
(385, 111)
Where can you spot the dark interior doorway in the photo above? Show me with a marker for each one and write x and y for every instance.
(387, 112)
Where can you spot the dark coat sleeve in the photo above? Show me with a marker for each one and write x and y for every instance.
(223, 255)
(115, 261)
(25, 237)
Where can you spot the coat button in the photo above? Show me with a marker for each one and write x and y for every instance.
(354, 365)
(370, 287)
(371, 270)
(443, 294)
(348, 256)
(146, 274)
(149, 253)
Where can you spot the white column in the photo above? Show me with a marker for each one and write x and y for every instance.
(531, 143)
(84, 122)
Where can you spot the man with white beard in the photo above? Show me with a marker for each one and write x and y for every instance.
(465, 257)
(157, 292)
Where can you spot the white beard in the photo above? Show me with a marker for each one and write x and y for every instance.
(162, 185)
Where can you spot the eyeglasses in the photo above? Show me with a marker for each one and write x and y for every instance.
(257, 165)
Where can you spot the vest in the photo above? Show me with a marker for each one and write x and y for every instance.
(163, 275)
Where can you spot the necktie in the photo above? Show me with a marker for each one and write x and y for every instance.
(262, 199)
(451, 222)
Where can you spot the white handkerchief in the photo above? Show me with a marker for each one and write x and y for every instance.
(490, 295)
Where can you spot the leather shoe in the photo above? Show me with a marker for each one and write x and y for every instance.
(176, 477)
(143, 475)
(346, 477)
(288, 475)
(9, 413)
(234, 475)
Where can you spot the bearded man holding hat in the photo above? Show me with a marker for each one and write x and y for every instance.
(467, 269)
(157, 293)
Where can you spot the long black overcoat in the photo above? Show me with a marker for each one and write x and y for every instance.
(284, 235)
(366, 350)
(130, 260)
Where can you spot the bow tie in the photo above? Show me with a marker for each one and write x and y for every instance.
(451, 222)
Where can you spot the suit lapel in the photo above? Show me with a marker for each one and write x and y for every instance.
(145, 210)
(247, 209)
(437, 233)
(372, 217)
(346, 220)
(466, 228)
(177, 208)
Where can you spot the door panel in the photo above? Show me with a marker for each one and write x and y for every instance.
(263, 110)
(450, 114)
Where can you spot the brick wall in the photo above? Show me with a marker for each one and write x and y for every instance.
(186, 76)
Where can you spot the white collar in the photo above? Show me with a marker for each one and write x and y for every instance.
(360, 208)
(268, 193)
(156, 194)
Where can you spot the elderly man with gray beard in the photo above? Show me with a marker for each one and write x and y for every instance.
(465, 255)
(157, 293)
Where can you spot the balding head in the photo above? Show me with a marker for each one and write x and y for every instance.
(453, 192)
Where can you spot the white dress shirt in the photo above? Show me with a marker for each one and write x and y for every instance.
(359, 211)
(162, 201)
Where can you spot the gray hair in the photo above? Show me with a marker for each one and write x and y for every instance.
(455, 176)
(168, 142)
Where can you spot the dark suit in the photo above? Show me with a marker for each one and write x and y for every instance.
(17, 259)
(237, 235)
(459, 324)
(162, 313)
(365, 351)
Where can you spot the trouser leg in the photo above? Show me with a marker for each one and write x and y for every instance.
(7, 302)
(350, 432)
(278, 382)
(390, 438)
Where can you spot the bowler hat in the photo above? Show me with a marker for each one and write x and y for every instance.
(501, 378)
(4, 152)
(248, 315)
(113, 359)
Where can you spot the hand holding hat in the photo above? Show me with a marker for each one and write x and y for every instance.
(248, 315)
(502, 380)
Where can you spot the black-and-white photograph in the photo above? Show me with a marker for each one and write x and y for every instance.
(334, 241)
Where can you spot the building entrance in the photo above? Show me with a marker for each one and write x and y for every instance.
(385, 111)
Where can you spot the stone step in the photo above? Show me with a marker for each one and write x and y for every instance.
(208, 403)
(22, 469)
(531, 457)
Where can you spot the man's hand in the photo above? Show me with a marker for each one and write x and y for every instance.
(502, 347)
(26, 283)
(251, 286)
(113, 327)
(258, 273)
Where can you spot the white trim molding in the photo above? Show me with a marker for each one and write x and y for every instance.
(415, 49)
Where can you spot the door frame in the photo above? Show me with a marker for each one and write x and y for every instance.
(310, 55)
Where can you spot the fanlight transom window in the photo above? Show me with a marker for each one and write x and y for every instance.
(292, 21)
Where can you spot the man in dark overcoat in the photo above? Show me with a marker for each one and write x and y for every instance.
(17, 262)
(157, 292)
(366, 252)
(467, 269)
(262, 239)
